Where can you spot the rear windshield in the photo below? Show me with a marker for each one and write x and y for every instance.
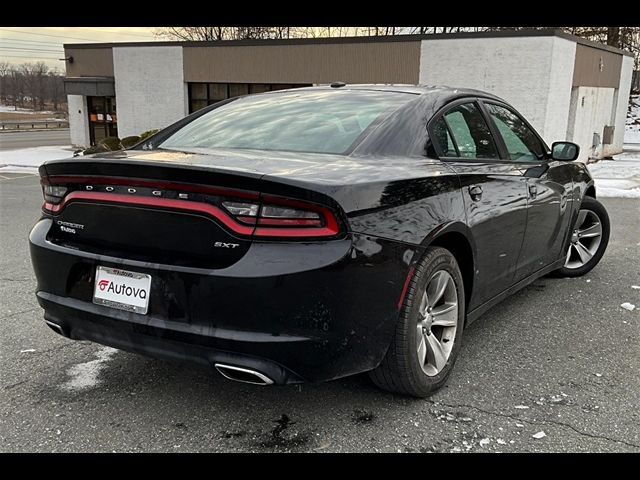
(317, 121)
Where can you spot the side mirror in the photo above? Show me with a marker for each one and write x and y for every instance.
(565, 151)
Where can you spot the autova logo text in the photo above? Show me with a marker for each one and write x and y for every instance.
(122, 289)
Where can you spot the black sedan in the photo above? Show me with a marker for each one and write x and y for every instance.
(310, 234)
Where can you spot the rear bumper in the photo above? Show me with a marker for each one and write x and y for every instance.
(295, 312)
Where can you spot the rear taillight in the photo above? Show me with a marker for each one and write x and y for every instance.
(279, 217)
(53, 195)
(245, 213)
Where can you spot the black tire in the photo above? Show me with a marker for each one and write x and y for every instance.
(589, 203)
(400, 371)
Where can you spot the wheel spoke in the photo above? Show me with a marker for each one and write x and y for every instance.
(445, 315)
(424, 304)
(422, 348)
(594, 230)
(581, 216)
(436, 288)
(585, 255)
(436, 355)
(569, 250)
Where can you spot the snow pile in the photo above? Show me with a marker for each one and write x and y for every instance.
(619, 177)
(26, 111)
(632, 127)
(27, 160)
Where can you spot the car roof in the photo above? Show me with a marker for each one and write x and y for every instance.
(419, 89)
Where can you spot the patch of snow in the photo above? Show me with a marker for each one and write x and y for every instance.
(619, 177)
(521, 407)
(635, 287)
(539, 435)
(85, 375)
(28, 350)
(484, 441)
(26, 111)
(598, 375)
(500, 441)
(519, 425)
(27, 160)
(628, 306)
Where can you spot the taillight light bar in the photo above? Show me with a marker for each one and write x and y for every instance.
(245, 213)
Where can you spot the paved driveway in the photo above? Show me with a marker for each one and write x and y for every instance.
(559, 357)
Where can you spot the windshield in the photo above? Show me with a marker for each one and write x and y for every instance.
(312, 121)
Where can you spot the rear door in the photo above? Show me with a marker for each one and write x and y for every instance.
(549, 186)
(494, 192)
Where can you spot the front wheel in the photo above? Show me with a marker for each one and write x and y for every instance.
(429, 330)
(589, 239)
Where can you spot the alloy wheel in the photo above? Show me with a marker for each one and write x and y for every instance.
(437, 322)
(585, 239)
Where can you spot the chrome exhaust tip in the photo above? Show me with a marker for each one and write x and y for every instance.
(244, 375)
(54, 326)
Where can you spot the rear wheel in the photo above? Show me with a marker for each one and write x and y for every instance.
(589, 239)
(428, 334)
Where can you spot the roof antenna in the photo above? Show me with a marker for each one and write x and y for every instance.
(338, 84)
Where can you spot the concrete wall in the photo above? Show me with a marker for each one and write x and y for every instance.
(150, 88)
(593, 108)
(622, 105)
(532, 73)
(78, 120)
(590, 109)
(558, 97)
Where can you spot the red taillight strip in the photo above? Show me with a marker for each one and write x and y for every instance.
(184, 205)
(405, 287)
(157, 185)
(330, 229)
(290, 222)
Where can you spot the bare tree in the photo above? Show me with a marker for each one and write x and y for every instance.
(225, 33)
(32, 81)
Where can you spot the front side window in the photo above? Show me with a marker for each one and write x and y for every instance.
(521, 142)
(467, 133)
(320, 121)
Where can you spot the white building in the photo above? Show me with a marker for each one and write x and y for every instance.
(567, 87)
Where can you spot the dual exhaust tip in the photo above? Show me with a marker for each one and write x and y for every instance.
(230, 372)
(244, 375)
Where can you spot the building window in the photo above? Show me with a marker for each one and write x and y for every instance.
(203, 94)
(103, 120)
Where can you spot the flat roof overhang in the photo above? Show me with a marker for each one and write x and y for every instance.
(90, 86)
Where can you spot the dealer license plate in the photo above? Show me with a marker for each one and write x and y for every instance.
(122, 289)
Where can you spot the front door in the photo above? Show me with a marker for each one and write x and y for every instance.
(494, 192)
(549, 187)
(103, 121)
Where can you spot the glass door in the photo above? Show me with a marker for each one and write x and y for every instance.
(103, 120)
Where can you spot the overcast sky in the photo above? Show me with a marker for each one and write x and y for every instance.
(32, 44)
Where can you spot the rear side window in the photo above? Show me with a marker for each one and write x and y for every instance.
(521, 142)
(468, 135)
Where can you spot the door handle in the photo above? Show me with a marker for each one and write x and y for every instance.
(533, 191)
(475, 191)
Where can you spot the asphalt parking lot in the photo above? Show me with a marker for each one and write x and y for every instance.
(560, 357)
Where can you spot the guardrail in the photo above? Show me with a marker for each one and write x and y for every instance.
(33, 124)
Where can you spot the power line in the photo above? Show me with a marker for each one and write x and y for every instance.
(74, 38)
(16, 40)
(46, 34)
(32, 49)
(26, 56)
